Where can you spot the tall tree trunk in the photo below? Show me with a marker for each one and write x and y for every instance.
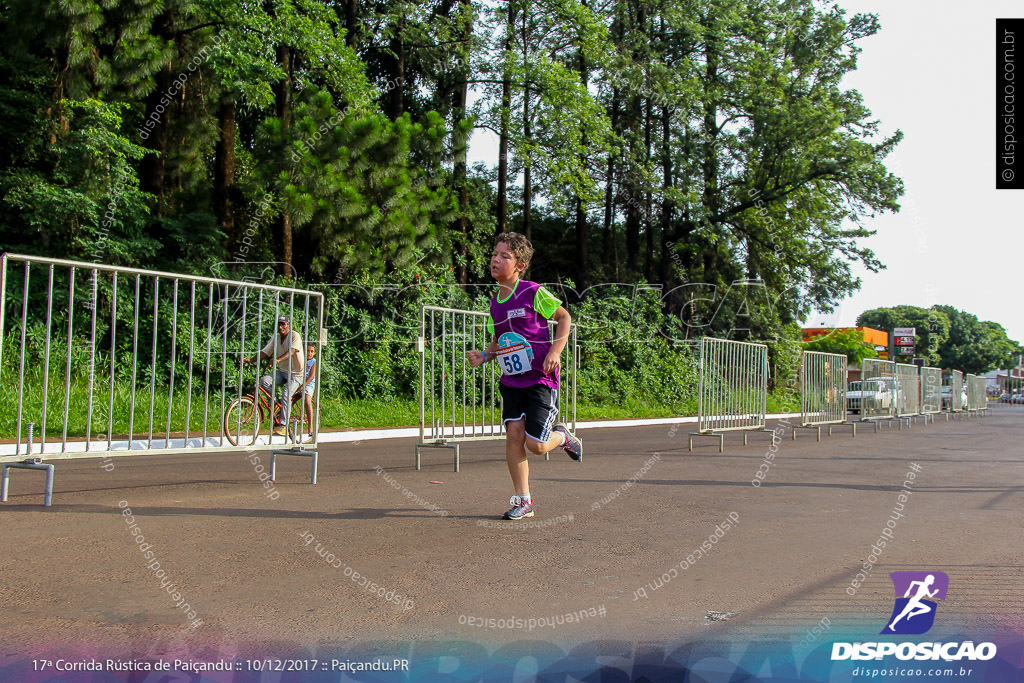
(506, 116)
(461, 144)
(634, 197)
(224, 166)
(709, 161)
(667, 235)
(283, 106)
(633, 123)
(608, 242)
(527, 183)
(152, 169)
(396, 74)
(582, 272)
(352, 23)
(648, 219)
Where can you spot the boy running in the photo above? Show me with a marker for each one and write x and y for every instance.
(529, 363)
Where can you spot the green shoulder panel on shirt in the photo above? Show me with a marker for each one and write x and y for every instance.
(490, 327)
(545, 303)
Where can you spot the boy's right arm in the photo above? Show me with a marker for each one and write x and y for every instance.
(478, 358)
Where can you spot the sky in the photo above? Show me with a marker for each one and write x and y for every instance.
(930, 72)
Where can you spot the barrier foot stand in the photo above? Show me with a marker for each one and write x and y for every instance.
(816, 428)
(898, 421)
(29, 464)
(852, 425)
(762, 429)
(873, 423)
(720, 437)
(453, 446)
(295, 450)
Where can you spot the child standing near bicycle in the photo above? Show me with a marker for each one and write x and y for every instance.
(308, 387)
(529, 361)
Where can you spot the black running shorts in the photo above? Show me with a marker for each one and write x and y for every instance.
(537, 405)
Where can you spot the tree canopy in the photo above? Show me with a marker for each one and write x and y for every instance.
(849, 342)
(692, 145)
(949, 338)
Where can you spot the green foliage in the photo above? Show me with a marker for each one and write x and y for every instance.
(802, 155)
(974, 345)
(849, 342)
(707, 144)
(784, 359)
(80, 197)
(932, 327)
(349, 182)
(948, 337)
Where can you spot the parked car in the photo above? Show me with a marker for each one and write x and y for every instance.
(877, 392)
(945, 397)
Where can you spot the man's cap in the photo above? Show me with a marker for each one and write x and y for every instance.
(284, 319)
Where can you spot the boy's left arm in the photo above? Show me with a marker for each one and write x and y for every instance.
(563, 322)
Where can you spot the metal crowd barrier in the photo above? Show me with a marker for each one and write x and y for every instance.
(956, 390)
(976, 399)
(880, 391)
(459, 403)
(822, 391)
(931, 391)
(112, 361)
(908, 396)
(733, 389)
(878, 384)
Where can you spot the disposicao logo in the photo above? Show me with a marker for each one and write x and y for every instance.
(916, 593)
(913, 614)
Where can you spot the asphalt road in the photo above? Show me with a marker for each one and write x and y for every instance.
(616, 543)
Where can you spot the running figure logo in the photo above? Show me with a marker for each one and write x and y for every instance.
(916, 593)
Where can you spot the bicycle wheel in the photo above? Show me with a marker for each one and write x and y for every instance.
(241, 422)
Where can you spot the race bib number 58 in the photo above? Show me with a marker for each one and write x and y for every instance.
(515, 355)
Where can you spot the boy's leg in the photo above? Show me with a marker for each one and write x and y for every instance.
(543, 432)
(542, 447)
(513, 417)
(515, 456)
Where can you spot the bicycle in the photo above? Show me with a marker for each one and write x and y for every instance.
(245, 415)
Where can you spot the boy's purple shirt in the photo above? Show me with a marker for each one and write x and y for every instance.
(517, 314)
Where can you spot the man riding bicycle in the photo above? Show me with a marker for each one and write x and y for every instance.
(286, 349)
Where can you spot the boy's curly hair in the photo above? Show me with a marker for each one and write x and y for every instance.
(518, 245)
